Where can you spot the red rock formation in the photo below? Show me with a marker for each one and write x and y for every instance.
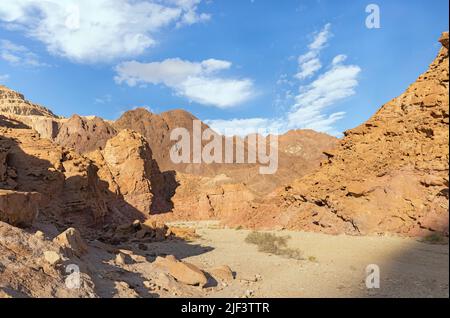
(127, 164)
(84, 134)
(388, 175)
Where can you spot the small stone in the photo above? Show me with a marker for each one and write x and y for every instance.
(251, 279)
(150, 285)
(39, 235)
(52, 257)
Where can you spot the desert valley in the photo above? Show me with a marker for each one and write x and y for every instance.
(96, 208)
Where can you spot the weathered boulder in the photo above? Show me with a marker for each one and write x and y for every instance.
(126, 163)
(19, 208)
(222, 273)
(71, 243)
(183, 272)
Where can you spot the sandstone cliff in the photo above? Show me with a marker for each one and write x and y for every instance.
(388, 175)
(12, 102)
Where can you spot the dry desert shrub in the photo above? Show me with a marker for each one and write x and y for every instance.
(435, 238)
(270, 243)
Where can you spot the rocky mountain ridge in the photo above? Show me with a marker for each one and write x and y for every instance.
(387, 175)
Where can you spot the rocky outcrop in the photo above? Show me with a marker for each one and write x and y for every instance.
(46, 127)
(203, 198)
(126, 164)
(156, 129)
(67, 182)
(300, 151)
(388, 175)
(84, 134)
(32, 267)
(12, 102)
(71, 243)
(18, 208)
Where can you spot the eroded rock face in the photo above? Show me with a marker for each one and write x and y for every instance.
(388, 175)
(67, 182)
(18, 208)
(46, 127)
(203, 198)
(126, 162)
(12, 102)
(300, 151)
(84, 134)
(71, 243)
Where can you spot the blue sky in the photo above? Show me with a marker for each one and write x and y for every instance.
(243, 65)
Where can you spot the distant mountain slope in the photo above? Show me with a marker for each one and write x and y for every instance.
(84, 134)
(300, 151)
(15, 103)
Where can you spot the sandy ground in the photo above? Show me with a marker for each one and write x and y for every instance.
(334, 266)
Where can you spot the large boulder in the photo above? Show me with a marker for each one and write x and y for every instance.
(183, 272)
(126, 163)
(18, 208)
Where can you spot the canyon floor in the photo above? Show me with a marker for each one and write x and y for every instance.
(334, 266)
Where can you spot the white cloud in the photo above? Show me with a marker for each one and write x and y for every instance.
(18, 54)
(190, 16)
(101, 30)
(4, 78)
(309, 62)
(339, 59)
(105, 99)
(337, 83)
(311, 106)
(321, 38)
(308, 68)
(197, 81)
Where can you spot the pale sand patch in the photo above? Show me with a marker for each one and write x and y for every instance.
(409, 268)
